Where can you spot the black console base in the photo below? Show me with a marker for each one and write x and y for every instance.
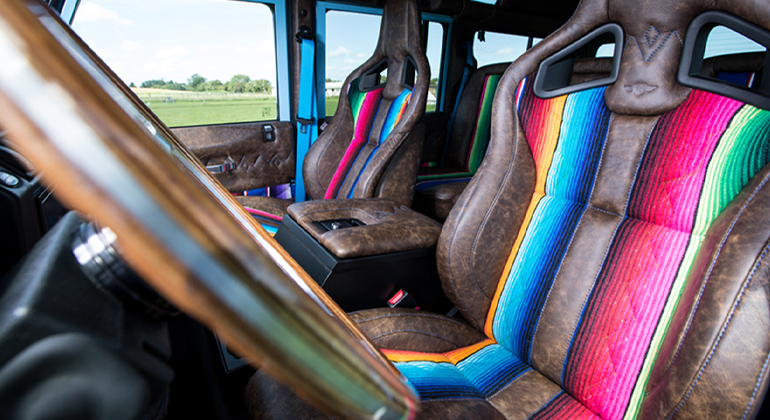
(367, 282)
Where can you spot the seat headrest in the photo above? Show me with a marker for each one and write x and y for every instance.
(654, 32)
(400, 39)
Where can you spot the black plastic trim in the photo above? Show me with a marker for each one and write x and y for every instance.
(408, 74)
(370, 80)
(553, 75)
(690, 65)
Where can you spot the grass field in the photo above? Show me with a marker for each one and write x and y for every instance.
(185, 113)
(182, 108)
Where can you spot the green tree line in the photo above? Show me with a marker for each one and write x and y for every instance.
(237, 84)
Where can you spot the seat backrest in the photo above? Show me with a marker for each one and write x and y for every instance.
(467, 142)
(374, 118)
(743, 69)
(614, 238)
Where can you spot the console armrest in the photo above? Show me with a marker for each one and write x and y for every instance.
(388, 227)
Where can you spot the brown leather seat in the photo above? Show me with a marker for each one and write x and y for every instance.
(609, 257)
(439, 186)
(372, 146)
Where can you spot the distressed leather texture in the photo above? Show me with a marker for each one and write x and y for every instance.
(270, 205)
(437, 197)
(381, 169)
(709, 357)
(389, 226)
(437, 200)
(402, 172)
(412, 330)
(399, 39)
(466, 116)
(258, 163)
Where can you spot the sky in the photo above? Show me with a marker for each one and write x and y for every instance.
(173, 39)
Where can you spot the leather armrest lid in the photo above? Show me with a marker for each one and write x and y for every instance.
(389, 227)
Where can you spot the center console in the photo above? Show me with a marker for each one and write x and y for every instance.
(367, 253)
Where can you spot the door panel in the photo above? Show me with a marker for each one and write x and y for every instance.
(257, 162)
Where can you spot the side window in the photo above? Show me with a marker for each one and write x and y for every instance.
(350, 40)
(434, 52)
(212, 63)
(492, 47)
(727, 55)
(605, 50)
(723, 40)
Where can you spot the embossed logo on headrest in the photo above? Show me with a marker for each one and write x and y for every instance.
(639, 89)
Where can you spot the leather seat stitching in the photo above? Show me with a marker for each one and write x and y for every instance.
(756, 387)
(612, 213)
(461, 303)
(531, 369)
(639, 47)
(722, 330)
(708, 276)
(572, 238)
(391, 332)
(439, 317)
(494, 201)
(607, 250)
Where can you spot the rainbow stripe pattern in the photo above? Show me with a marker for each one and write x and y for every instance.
(698, 157)
(481, 133)
(366, 108)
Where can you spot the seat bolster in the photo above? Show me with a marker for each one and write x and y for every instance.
(721, 322)
(397, 183)
(437, 200)
(481, 228)
(271, 205)
(323, 158)
(412, 330)
(267, 399)
(466, 116)
(474, 247)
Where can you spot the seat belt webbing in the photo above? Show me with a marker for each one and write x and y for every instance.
(307, 125)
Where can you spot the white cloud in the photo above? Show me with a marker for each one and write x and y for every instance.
(172, 51)
(212, 46)
(509, 51)
(92, 12)
(130, 45)
(340, 52)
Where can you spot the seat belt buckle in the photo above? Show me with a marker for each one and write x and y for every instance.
(402, 299)
(228, 166)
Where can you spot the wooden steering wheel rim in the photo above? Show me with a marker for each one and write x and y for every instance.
(106, 155)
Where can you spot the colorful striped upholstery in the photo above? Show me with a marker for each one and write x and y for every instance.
(366, 107)
(479, 138)
(696, 160)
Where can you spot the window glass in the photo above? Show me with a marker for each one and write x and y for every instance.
(193, 62)
(733, 58)
(722, 41)
(498, 48)
(350, 40)
(434, 52)
(606, 50)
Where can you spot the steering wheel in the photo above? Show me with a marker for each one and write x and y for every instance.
(105, 154)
